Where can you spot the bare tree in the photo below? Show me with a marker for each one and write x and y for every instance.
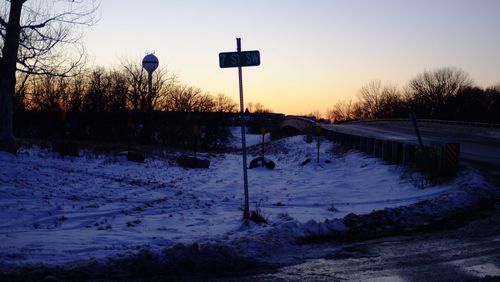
(205, 103)
(496, 87)
(137, 83)
(430, 90)
(21, 92)
(185, 98)
(249, 107)
(106, 91)
(116, 92)
(341, 111)
(95, 99)
(223, 103)
(48, 93)
(78, 87)
(392, 104)
(370, 97)
(257, 107)
(377, 100)
(315, 114)
(32, 32)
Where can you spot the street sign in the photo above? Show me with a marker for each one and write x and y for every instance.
(239, 59)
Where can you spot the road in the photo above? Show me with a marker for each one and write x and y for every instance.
(479, 146)
(469, 253)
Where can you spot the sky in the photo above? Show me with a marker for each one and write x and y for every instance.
(313, 53)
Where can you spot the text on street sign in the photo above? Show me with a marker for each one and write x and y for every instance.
(239, 59)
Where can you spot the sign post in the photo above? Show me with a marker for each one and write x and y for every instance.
(241, 59)
(263, 133)
(130, 126)
(196, 132)
(318, 132)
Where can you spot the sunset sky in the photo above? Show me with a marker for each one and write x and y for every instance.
(313, 53)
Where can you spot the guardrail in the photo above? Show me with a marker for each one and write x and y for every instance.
(302, 124)
(441, 160)
(451, 122)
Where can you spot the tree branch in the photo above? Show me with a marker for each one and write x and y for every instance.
(3, 22)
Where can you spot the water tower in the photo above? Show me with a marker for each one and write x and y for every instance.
(150, 64)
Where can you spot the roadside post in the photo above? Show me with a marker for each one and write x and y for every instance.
(427, 164)
(196, 132)
(64, 118)
(241, 59)
(318, 132)
(130, 126)
(413, 119)
(263, 133)
(63, 148)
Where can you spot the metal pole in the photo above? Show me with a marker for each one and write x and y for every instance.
(317, 141)
(246, 211)
(150, 84)
(263, 135)
(413, 119)
(195, 145)
(128, 139)
(318, 128)
(427, 163)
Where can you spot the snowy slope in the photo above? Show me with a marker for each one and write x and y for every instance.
(57, 209)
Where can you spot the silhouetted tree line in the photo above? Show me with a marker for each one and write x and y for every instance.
(445, 93)
(175, 129)
(115, 90)
(112, 104)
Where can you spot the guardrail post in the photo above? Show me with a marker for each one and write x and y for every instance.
(408, 153)
(450, 159)
(376, 148)
(397, 152)
(386, 150)
(362, 144)
(369, 145)
(357, 142)
(394, 152)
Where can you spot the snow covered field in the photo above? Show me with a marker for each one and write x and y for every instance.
(57, 209)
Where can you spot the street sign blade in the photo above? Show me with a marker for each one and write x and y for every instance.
(239, 59)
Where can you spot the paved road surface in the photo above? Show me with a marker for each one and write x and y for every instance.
(469, 253)
(480, 147)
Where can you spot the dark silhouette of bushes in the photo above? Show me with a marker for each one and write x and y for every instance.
(173, 129)
(445, 93)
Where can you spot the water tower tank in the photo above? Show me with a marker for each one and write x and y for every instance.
(150, 63)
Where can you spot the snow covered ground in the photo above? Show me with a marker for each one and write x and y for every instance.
(250, 139)
(57, 209)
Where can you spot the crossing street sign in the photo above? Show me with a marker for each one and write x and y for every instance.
(239, 59)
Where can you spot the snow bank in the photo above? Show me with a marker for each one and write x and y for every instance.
(57, 210)
(250, 139)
